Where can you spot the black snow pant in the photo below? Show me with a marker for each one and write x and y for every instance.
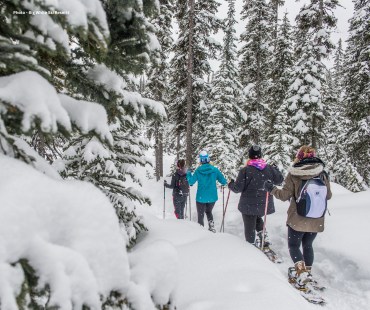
(251, 224)
(179, 202)
(295, 239)
(207, 208)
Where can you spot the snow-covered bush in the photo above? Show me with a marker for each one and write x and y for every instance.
(63, 236)
(61, 245)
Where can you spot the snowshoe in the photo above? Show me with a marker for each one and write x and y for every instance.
(306, 292)
(211, 226)
(271, 254)
(310, 283)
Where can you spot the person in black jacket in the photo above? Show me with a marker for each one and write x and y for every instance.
(180, 187)
(250, 183)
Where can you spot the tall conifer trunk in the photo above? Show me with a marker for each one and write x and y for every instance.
(189, 107)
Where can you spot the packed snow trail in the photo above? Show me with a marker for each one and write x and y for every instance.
(221, 271)
(341, 251)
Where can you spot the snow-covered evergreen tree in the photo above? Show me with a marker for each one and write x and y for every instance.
(221, 131)
(275, 4)
(255, 56)
(110, 166)
(157, 86)
(315, 21)
(338, 68)
(34, 58)
(205, 48)
(335, 154)
(278, 133)
(357, 88)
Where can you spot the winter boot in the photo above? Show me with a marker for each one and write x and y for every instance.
(302, 275)
(211, 226)
(258, 241)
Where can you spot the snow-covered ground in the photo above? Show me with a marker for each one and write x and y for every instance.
(221, 271)
(68, 232)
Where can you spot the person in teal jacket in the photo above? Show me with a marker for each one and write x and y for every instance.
(206, 175)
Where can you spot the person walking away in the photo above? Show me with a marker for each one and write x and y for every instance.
(206, 175)
(252, 203)
(308, 188)
(180, 186)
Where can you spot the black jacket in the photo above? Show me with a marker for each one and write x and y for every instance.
(179, 183)
(250, 184)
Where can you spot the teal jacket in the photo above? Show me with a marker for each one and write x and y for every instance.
(206, 175)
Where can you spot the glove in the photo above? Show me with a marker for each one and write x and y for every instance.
(165, 182)
(268, 186)
(231, 182)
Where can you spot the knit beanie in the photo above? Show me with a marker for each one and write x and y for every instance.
(255, 152)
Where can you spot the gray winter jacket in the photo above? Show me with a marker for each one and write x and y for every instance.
(250, 184)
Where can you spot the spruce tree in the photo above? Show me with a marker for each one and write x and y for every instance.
(342, 170)
(111, 167)
(278, 133)
(275, 4)
(36, 53)
(204, 48)
(315, 22)
(357, 88)
(338, 68)
(254, 67)
(221, 135)
(157, 86)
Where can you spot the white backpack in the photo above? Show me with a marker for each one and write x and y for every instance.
(312, 201)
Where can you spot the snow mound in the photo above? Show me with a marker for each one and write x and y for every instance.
(155, 277)
(338, 189)
(68, 232)
(219, 271)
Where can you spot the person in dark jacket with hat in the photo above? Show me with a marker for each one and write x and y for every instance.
(180, 186)
(250, 183)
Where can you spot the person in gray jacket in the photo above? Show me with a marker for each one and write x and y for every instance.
(302, 231)
(250, 183)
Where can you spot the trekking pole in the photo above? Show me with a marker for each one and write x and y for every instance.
(186, 208)
(189, 206)
(164, 201)
(223, 202)
(224, 213)
(264, 220)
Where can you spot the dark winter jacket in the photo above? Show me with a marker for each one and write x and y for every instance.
(179, 183)
(206, 175)
(307, 168)
(250, 184)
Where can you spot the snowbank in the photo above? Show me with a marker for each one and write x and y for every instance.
(220, 271)
(68, 232)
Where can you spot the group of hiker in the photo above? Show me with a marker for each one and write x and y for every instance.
(306, 186)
